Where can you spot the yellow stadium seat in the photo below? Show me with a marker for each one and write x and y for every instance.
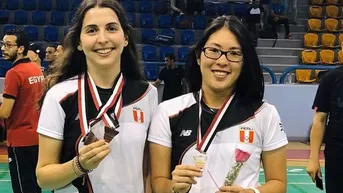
(331, 25)
(317, 2)
(309, 57)
(327, 57)
(332, 11)
(329, 41)
(311, 40)
(315, 25)
(316, 12)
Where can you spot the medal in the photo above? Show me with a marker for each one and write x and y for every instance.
(200, 160)
(203, 142)
(115, 100)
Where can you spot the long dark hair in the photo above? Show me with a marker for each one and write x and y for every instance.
(73, 62)
(250, 84)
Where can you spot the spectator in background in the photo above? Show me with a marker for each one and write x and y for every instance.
(266, 8)
(178, 7)
(50, 53)
(173, 77)
(278, 16)
(23, 87)
(328, 124)
(59, 50)
(36, 54)
(255, 14)
(292, 6)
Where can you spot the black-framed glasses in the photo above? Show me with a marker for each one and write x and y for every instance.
(215, 54)
(7, 45)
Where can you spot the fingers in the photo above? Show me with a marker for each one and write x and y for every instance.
(96, 152)
(91, 146)
(188, 167)
(183, 176)
(230, 189)
(187, 180)
(92, 154)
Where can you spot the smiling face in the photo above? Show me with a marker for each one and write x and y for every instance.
(102, 38)
(220, 74)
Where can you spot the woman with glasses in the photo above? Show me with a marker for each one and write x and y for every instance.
(214, 138)
(96, 109)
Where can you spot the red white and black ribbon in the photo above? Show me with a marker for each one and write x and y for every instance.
(114, 100)
(204, 142)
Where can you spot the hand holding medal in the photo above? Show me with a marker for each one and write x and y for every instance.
(183, 177)
(91, 155)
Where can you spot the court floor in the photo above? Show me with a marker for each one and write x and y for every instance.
(297, 158)
(298, 180)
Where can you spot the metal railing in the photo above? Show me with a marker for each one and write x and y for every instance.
(304, 67)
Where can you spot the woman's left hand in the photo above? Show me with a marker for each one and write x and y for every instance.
(234, 189)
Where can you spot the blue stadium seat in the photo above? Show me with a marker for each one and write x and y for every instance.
(149, 53)
(146, 21)
(65, 31)
(182, 52)
(75, 4)
(20, 17)
(199, 22)
(223, 9)
(51, 34)
(151, 71)
(210, 9)
(8, 27)
(12, 4)
(4, 16)
(57, 18)
(240, 9)
(164, 50)
(38, 17)
(4, 67)
(29, 5)
(129, 6)
(182, 22)
(165, 21)
(145, 6)
(148, 36)
(168, 32)
(161, 7)
(131, 17)
(71, 16)
(32, 31)
(45, 5)
(187, 37)
(62, 5)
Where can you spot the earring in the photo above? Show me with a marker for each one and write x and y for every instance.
(79, 47)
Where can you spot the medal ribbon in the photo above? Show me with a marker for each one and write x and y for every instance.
(204, 142)
(114, 100)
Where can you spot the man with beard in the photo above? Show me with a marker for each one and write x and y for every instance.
(23, 87)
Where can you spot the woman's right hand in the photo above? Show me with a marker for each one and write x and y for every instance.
(183, 177)
(313, 169)
(91, 155)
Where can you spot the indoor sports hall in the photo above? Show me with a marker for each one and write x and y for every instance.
(291, 64)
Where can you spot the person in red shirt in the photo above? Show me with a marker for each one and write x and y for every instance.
(23, 87)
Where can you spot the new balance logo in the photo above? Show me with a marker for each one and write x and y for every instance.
(185, 133)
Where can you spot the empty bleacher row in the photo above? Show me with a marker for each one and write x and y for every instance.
(47, 21)
(43, 5)
(323, 41)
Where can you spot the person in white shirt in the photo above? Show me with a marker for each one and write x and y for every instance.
(214, 138)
